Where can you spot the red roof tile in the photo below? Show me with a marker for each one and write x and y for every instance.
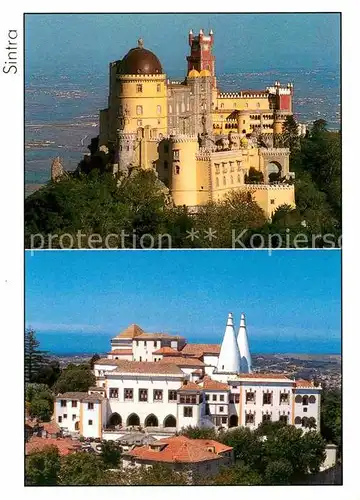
(303, 383)
(200, 349)
(64, 445)
(189, 386)
(219, 447)
(167, 351)
(130, 332)
(175, 449)
(124, 366)
(181, 361)
(213, 385)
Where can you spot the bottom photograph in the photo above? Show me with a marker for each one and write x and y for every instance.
(183, 368)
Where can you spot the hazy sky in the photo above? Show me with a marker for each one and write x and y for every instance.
(243, 42)
(289, 294)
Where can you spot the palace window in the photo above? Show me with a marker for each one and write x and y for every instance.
(222, 397)
(90, 406)
(166, 165)
(222, 105)
(59, 420)
(65, 416)
(249, 418)
(238, 162)
(231, 179)
(176, 155)
(237, 398)
(297, 420)
(139, 123)
(139, 88)
(283, 418)
(189, 400)
(250, 397)
(272, 202)
(238, 179)
(158, 87)
(206, 397)
(217, 181)
(158, 110)
(90, 422)
(143, 394)
(177, 169)
(221, 409)
(188, 411)
(284, 398)
(312, 399)
(305, 400)
(224, 420)
(304, 422)
(63, 403)
(231, 166)
(113, 393)
(217, 168)
(158, 395)
(214, 398)
(172, 396)
(267, 398)
(73, 417)
(224, 166)
(139, 110)
(74, 404)
(224, 180)
(266, 417)
(128, 394)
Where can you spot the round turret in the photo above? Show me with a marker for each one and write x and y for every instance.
(193, 74)
(140, 61)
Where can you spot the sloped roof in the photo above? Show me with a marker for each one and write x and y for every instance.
(259, 375)
(130, 332)
(219, 447)
(64, 445)
(200, 349)
(304, 383)
(167, 351)
(190, 386)
(181, 361)
(124, 366)
(213, 385)
(121, 352)
(176, 449)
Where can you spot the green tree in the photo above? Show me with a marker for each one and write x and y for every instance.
(110, 454)
(93, 360)
(42, 467)
(48, 373)
(75, 378)
(254, 176)
(34, 358)
(238, 474)
(278, 472)
(246, 444)
(82, 469)
(331, 416)
(290, 135)
(41, 406)
(199, 433)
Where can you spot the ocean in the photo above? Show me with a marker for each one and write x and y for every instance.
(66, 344)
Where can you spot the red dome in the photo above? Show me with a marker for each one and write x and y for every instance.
(140, 61)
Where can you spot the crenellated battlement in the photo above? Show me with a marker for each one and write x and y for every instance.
(183, 138)
(275, 151)
(270, 187)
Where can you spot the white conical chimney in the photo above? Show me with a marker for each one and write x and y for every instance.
(229, 358)
(243, 344)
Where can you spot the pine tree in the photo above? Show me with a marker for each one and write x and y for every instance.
(34, 358)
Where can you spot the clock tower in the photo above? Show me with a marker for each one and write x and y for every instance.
(201, 56)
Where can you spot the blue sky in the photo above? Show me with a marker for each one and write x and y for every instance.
(243, 42)
(292, 295)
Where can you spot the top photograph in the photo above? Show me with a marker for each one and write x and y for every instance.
(162, 131)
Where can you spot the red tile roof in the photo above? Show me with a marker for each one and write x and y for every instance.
(50, 427)
(130, 332)
(200, 349)
(304, 383)
(219, 447)
(175, 449)
(124, 366)
(64, 445)
(181, 361)
(190, 386)
(167, 351)
(213, 385)
(155, 336)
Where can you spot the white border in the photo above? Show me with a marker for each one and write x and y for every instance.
(12, 254)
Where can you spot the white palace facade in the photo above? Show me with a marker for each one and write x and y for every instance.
(159, 383)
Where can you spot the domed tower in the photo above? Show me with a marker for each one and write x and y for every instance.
(183, 182)
(137, 99)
